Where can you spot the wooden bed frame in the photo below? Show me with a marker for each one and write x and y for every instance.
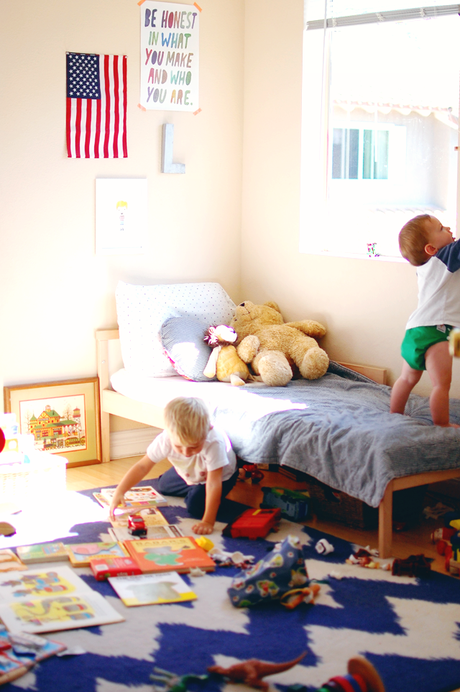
(112, 403)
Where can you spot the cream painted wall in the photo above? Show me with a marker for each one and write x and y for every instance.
(55, 291)
(364, 303)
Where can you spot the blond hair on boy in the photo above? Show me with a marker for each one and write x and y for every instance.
(413, 238)
(187, 420)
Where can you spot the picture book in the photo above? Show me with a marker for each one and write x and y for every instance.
(42, 552)
(9, 561)
(47, 600)
(103, 568)
(12, 667)
(151, 516)
(81, 554)
(136, 498)
(29, 647)
(149, 589)
(160, 531)
(179, 554)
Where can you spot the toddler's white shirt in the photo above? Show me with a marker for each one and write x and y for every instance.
(217, 453)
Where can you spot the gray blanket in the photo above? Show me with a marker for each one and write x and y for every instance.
(344, 436)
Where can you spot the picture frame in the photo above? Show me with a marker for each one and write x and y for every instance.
(64, 417)
(121, 216)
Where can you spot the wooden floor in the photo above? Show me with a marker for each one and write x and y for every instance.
(412, 541)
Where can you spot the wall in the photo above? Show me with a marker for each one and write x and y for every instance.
(364, 303)
(55, 291)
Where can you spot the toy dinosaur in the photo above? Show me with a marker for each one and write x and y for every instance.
(251, 672)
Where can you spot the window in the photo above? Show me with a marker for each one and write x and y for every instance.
(380, 123)
(360, 153)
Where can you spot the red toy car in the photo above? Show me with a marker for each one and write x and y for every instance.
(136, 525)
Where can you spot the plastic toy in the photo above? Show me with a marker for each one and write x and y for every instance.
(361, 676)
(250, 471)
(254, 523)
(251, 672)
(293, 505)
(205, 543)
(172, 682)
(136, 525)
(323, 547)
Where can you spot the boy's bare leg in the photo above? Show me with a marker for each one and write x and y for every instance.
(439, 366)
(403, 387)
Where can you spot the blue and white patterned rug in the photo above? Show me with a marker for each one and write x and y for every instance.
(408, 628)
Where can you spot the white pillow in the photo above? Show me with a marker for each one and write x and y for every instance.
(141, 310)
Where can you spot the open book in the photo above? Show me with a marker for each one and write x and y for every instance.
(136, 498)
(149, 589)
(47, 600)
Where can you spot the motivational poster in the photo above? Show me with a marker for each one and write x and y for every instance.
(169, 56)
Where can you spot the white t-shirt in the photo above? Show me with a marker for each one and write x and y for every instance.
(438, 290)
(217, 453)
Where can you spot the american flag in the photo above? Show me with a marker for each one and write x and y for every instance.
(96, 106)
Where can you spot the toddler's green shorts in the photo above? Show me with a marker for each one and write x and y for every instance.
(418, 340)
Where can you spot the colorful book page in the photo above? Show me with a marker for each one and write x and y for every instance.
(179, 554)
(151, 516)
(30, 647)
(162, 531)
(138, 497)
(39, 601)
(42, 552)
(150, 589)
(80, 554)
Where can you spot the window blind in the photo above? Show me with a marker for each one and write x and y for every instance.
(383, 16)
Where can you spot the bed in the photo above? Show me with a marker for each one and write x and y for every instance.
(337, 429)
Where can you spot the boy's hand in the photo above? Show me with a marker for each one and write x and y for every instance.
(117, 499)
(203, 528)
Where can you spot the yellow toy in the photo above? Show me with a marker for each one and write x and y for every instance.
(271, 347)
(224, 362)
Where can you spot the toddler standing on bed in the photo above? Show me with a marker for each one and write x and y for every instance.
(203, 462)
(430, 246)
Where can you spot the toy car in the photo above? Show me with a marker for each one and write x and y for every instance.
(136, 525)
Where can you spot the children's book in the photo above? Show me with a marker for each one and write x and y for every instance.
(9, 561)
(81, 554)
(160, 531)
(138, 497)
(151, 516)
(42, 552)
(47, 600)
(149, 589)
(179, 554)
(29, 647)
(11, 667)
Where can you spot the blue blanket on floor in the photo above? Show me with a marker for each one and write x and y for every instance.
(338, 429)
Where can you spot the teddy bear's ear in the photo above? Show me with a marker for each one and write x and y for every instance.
(272, 304)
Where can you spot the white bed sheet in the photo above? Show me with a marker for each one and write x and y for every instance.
(160, 390)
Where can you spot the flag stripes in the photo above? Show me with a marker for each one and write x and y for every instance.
(96, 127)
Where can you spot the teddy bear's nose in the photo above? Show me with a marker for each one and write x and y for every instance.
(241, 305)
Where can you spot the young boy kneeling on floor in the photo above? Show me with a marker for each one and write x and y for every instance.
(204, 468)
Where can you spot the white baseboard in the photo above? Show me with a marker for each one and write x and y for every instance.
(131, 443)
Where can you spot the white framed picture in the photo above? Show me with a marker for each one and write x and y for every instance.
(121, 215)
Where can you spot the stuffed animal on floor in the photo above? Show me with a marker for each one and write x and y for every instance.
(271, 346)
(224, 362)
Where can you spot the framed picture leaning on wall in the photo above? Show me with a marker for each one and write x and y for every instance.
(63, 417)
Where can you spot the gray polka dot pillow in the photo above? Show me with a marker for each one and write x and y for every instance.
(141, 311)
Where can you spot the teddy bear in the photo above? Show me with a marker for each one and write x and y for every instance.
(224, 362)
(272, 347)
